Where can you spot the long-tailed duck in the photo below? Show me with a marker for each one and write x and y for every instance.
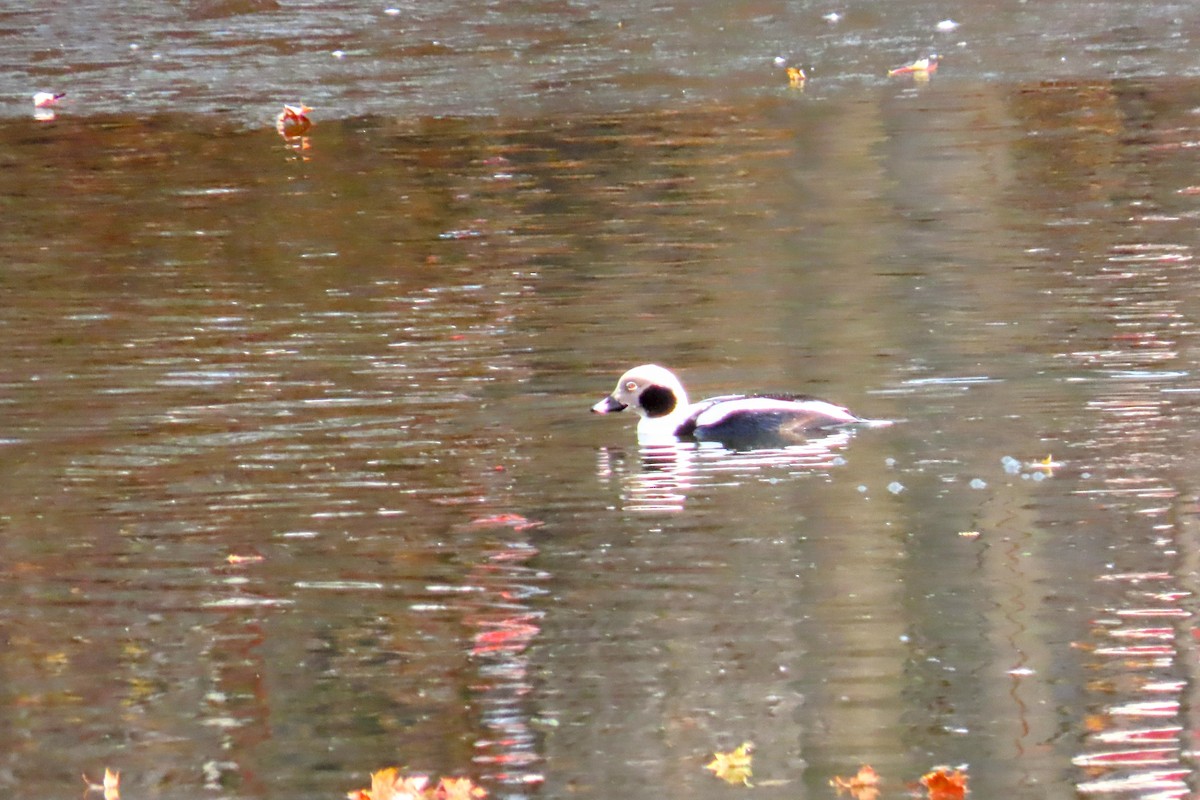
(736, 421)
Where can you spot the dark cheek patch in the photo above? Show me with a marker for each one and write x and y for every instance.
(658, 401)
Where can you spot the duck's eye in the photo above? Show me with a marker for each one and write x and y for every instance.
(630, 386)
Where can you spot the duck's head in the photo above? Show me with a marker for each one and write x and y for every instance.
(650, 390)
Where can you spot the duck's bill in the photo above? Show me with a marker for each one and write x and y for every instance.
(608, 405)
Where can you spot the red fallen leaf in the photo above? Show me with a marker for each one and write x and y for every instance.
(506, 635)
(922, 66)
(942, 783)
(293, 121)
(863, 786)
(497, 520)
(514, 521)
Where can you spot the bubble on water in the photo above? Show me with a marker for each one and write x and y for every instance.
(862, 489)
(978, 483)
(1011, 465)
(895, 487)
(889, 462)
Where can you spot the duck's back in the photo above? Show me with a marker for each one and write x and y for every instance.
(762, 420)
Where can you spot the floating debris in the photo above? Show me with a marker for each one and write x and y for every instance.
(111, 788)
(862, 786)
(922, 67)
(47, 99)
(293, 121)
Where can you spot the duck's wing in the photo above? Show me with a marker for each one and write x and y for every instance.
(687, 428)
(796, 411)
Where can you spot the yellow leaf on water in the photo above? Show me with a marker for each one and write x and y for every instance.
(734, 766)
(111, 786)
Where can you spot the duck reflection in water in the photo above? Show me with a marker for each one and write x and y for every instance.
(670, 471)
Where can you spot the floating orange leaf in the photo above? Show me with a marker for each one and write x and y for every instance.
(863, 786)
(458, 789)
(383, 783)
(389, 784)
(734, 766)
(796, 76)
(922, 67)
(412, 788)
(233, 558)
(943, 783)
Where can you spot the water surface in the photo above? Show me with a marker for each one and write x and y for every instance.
(362, 364)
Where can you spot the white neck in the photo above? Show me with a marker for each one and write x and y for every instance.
(661, 430)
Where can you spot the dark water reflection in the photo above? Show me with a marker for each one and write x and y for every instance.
(369, 363)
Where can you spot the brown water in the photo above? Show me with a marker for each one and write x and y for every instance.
(368, 360)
